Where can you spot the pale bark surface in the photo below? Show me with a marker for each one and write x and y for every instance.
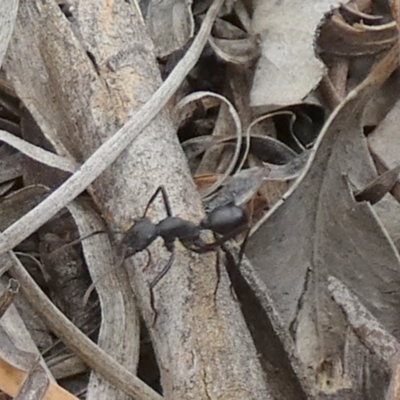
(92, 96)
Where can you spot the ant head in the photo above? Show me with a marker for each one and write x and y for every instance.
(139, 236)
(224, 219)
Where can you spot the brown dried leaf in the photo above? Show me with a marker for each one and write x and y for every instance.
(340, 38)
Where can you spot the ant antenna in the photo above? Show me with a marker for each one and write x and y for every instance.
(62, 248)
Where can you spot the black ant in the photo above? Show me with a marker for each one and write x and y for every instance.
(227, 220)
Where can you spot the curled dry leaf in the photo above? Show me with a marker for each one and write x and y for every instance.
(239, 51)
(270, 150)
(198, 145)
(112, 286)
(170, 24)
(226, 30)
(232, 44)
(238, 130)
(244, 185)
(265, 148)
(341, 38)
(273, 160)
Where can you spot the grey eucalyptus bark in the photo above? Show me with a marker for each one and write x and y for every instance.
(82, 79)
(8, 13)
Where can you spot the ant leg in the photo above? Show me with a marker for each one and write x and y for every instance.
(167, 205)
(201, 247)
(242, 247)
(233, 293)
(155, 282)
(240, 258)
(218, 269)
(149, 260)
(93, 284)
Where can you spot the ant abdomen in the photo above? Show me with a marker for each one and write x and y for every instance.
(224, 219)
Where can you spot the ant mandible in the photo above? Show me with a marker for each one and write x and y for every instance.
(227, 220)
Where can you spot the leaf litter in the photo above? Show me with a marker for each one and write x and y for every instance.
(325, 240)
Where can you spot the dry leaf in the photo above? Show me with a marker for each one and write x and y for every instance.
(384, 142)
(340, 38)
(375, 191)
(170, 24)
(288, 69)
(239, 51)
(320, 230)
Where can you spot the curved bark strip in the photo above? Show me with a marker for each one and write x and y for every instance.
(96, 78)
